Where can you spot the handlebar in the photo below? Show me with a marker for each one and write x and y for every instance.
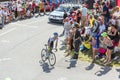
(53, 49)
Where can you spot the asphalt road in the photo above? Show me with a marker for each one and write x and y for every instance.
(20, 45)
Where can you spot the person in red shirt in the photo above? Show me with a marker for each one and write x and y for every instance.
(53, 4)
(58, 3)
(33, 7)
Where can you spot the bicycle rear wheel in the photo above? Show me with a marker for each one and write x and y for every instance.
(43, 55)
(52, 59)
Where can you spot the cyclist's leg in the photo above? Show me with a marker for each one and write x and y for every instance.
(50, 49)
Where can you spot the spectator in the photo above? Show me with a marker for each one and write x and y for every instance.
(118, 23)
(45, 5)
(33, 7)
(7, 15)
(19, 9)
(108, 42)
(106, 14)
(85, 44)
(113, 20)
(23, 12)
(2, 14)
(71, 11)
(84, 15)
(97, 9)
(79, 15)
(117, 12)
(53, 4)
(40, 7)
(95, 45)
(64, 17)
(67, 27)
(91, 20)
(76, 41)
(102, 27)
(15, 10)
(95, 28)
(113, 34)
(29, 11)
(12, 12)
(71, 38)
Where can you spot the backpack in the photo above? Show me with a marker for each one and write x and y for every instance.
(95, 27)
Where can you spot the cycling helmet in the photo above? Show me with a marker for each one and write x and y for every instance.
(55, 34)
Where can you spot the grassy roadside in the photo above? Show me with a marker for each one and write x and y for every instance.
(87, 56)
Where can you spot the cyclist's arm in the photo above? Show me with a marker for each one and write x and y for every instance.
(48, 44)
(49, 41)
(56, 44)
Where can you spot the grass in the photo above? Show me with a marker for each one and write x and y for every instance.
(87, 56)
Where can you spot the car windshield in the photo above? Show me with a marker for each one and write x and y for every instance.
(61, 9)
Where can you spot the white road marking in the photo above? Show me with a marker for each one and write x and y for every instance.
(62, 78)
(5, 59)
(5, 41)
(10, 30)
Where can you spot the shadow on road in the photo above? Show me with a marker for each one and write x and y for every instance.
(72, 64)
(62, 42)
(90, 67)
(46, 68)
(104, 70)
(62, 48)
(118, 70)
(39, 15)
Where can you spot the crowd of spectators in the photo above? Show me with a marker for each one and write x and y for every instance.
(97, 29)
(19, 9)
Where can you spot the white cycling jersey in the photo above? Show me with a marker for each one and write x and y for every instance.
(52, 39)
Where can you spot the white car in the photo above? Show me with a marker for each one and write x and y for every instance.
(57, 14)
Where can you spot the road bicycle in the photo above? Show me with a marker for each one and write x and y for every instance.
(48, 55)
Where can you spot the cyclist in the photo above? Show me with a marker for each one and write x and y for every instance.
(51, 41)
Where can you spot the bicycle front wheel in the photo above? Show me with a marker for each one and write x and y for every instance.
(52, 59)
(43, 55)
